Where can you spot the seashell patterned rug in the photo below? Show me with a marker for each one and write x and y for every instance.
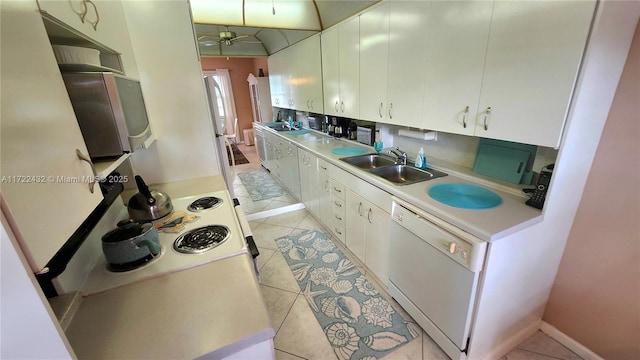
(357, 321)
(260, 185)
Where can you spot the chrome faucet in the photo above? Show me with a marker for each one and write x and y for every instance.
(401, 156)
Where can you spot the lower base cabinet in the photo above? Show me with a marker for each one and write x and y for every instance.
(368, 234)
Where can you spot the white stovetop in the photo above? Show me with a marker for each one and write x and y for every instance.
(100, 279)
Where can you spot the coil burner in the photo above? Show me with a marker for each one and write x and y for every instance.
(205, 203)
(201, 239)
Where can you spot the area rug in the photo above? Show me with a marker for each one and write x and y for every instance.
(260, 185)
(357, 321)
(237, 155)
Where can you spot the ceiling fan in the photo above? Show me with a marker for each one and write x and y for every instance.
(227, 38)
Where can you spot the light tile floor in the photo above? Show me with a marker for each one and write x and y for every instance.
(298, 334)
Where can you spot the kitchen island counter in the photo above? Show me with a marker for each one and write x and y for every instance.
(214, 309)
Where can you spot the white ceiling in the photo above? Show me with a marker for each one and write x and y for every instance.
(294, 20)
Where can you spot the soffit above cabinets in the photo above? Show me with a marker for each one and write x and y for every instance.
(263, 27)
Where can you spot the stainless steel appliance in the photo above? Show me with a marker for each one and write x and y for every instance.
(434, 269)
(214, 93)
(110, 111)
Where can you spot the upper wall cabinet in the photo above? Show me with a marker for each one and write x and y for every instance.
(278, 79)
(393, 48)
(46, 185)
(296, 83)
(103, 22)
(457, 45)
(340, 69)
(308, 75)
(532, 61)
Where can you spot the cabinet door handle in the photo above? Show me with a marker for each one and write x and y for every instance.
(326, 185)
(337, 217)
(341, 106)
(82, 13)
(336, 106)
(369, 216)
(360, 209)
(322, 167)
(380, 110)
(337, 190)
(337, 204)
(94, 23)
(337, 231)
(390, 108)
(486, 115)
(311, 105)
(84, 157)
(464, 117)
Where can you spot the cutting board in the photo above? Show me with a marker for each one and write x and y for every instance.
(501, 163)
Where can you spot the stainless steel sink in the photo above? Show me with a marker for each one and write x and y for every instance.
(369, 161)
(406, 174)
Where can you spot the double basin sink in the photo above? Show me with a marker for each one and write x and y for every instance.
(387, 169)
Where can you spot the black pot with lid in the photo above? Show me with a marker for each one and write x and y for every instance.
(148, 205)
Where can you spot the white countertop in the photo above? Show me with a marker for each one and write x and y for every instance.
(489, 224)
(214, 309)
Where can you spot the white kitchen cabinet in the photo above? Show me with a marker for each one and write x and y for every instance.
(111, 29)
(393, 49)
(368, 234)
(44, 183)
(308, 75)
(278, 80)
(260, 99)
(283, 163)
(340, 69)
(458, 35)
(338, 208)
(532, 60)
(324, 192)
(374, 60)
(309, 181)
(356, 224)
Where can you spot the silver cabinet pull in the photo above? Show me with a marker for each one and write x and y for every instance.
(341, 106)
(464, 117)
(338, 217)
(337, 190)
(390, 108)
(84, 157)
(486, 115)
(360, 209)
(380, 110)
(337, 204)
(337, 231)
(369, 216)
(336, 106)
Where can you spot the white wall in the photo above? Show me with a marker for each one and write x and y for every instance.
(171, 79)
(28, 329)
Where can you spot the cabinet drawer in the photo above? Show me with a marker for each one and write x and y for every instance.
(338, 207)
(339, 232)
(323, 167)
(337, 189)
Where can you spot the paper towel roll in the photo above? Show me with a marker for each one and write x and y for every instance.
(431, 135)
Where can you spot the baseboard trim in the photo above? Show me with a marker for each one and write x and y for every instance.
(274, 212)
(568, 342)
(509, 344)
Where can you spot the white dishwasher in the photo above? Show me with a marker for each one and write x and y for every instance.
(434, 270)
